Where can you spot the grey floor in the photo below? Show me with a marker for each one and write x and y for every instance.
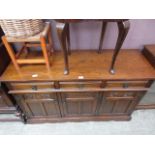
(143, 122)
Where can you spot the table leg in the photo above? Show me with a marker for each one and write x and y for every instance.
(123, 28)
(68, 38)
(104, 25)
(62, 34)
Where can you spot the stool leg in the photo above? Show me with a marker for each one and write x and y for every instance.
(11, 53)
(104, 25)
(45, 53)
(123, 28)
(61, 31)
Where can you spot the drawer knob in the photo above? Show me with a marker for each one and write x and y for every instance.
(81, 86)
(34, 87)
(125, 85)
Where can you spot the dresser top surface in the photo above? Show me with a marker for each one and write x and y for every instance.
(86, 65)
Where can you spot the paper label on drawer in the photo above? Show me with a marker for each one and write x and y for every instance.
(34, 75)
(80, 77)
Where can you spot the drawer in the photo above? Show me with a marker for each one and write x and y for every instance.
(126, 84)
(31, 85)
(121, 94)
(80, 84)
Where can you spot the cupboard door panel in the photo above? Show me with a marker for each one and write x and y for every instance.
(119, 102)
(106, 107)
(121, 106)
(81, 107)
(115, 106)
(42, 108)
(52, 109)
(34, 108)
(79, 104)
(38, 105)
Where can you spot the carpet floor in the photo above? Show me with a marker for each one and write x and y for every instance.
(142, 122)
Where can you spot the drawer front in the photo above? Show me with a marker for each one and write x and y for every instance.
(80, 85)
(31, 86)
(101, 84)
(126, 84)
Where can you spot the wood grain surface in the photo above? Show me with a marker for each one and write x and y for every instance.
(85, 65)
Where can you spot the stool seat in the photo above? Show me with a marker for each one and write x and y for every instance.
(42, 39)
(31, 38)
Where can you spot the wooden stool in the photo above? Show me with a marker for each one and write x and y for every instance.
(39, 40)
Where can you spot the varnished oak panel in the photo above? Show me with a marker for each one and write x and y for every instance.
(79, 104)
(131, 65)
(39, 105)
(113, 107)
(114, 103)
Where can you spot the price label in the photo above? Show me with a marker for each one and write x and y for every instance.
(80, 77)
(34, 75)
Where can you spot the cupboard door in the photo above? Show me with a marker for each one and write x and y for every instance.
(119, 102)
(40, 105)
(79, 104)
(120, 106)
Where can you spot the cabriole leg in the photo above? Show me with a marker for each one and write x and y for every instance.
(62, 34)
(123, 28)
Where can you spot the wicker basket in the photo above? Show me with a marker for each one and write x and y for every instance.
(21, 28)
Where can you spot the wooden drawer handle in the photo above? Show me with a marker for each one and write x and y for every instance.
(81, 86)
(125, 85)
(34, 88)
